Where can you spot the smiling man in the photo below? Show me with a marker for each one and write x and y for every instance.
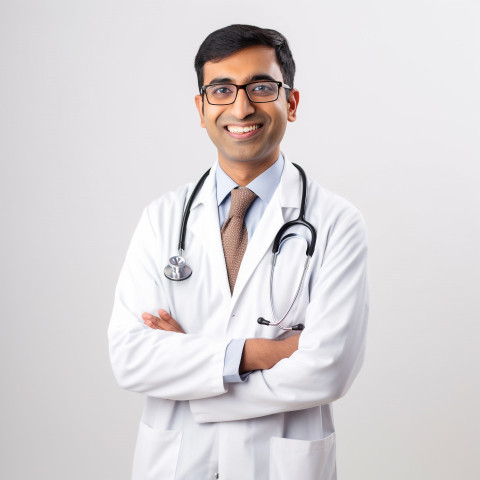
(233, 390)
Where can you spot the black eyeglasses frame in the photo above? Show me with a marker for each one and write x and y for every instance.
(203, 90)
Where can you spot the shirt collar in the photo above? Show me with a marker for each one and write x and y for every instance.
(263, 186)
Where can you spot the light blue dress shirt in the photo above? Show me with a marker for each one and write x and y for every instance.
(264, 187)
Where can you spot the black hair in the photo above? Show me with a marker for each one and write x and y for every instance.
(228, 40)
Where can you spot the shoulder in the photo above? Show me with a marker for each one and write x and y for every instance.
(162, 212)
(334, 218)
(170, 199)
(325, 210)
(321, 203)
(332, 207)
(340, 226)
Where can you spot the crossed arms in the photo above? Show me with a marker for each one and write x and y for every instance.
(314, 368)
(258, 353)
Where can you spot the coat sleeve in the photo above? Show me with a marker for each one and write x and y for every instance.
(154, 362)
(331, 348)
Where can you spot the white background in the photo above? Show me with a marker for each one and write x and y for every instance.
(98, 119)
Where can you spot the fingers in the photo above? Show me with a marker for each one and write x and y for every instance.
(166, 317)
(163, 322)
(152, 321)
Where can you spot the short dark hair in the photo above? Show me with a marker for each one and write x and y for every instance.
(228, 40)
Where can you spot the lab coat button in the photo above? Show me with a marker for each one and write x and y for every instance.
(217, 475)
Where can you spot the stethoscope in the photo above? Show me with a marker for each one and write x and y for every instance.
(178, 270)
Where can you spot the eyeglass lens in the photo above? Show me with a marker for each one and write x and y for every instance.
(257, 92)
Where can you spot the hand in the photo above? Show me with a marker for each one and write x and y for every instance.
(163, 322)
(263, 354)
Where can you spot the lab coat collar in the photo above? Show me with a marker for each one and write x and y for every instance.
(205, 193)
(204, 226)
(289, 190)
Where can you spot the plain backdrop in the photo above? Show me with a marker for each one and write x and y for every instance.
(98, 119)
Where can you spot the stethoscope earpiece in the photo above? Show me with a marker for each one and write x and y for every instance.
(262, 321)
(300, 326)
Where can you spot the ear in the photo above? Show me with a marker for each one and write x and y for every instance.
(199, 105)
(293, 99)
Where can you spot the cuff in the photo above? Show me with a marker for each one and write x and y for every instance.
(233, 357)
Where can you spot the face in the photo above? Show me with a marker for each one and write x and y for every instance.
(267, 121)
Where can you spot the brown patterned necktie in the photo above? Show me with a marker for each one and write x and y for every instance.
(234, 232)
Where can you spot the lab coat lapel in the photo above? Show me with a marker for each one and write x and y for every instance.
(204, 226)
(288, 194)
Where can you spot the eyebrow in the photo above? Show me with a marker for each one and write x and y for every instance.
(254, 78)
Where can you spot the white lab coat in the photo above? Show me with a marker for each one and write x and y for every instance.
(278, 424)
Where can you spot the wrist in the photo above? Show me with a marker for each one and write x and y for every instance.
(263, 353)
(257, 355)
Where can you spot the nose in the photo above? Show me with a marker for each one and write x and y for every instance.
(242, 107)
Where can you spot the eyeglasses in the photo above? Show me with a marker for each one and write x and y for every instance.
(257, 92)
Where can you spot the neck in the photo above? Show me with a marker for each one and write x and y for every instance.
(242, 173)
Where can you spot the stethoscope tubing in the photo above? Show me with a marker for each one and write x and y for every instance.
(186, 213)
(300, 220)
(178, 270)
(300, 285)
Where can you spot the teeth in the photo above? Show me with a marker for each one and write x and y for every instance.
(235, 129)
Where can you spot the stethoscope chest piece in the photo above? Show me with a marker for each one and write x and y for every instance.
(177, 269)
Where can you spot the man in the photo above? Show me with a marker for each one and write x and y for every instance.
(228, 397)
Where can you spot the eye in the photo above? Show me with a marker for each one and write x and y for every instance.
(221, 90)
(263, 91)
(263, 87)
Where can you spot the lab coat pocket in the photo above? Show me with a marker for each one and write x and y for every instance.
(308, 460)
(156, 454)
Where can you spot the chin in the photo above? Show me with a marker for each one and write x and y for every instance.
(245, 156)
(244, 160)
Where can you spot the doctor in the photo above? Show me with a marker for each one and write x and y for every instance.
(227, 397)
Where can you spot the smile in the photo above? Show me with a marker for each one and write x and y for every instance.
(239, 129)
(243, 132)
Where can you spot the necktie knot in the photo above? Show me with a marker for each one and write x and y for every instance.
(241, 199)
